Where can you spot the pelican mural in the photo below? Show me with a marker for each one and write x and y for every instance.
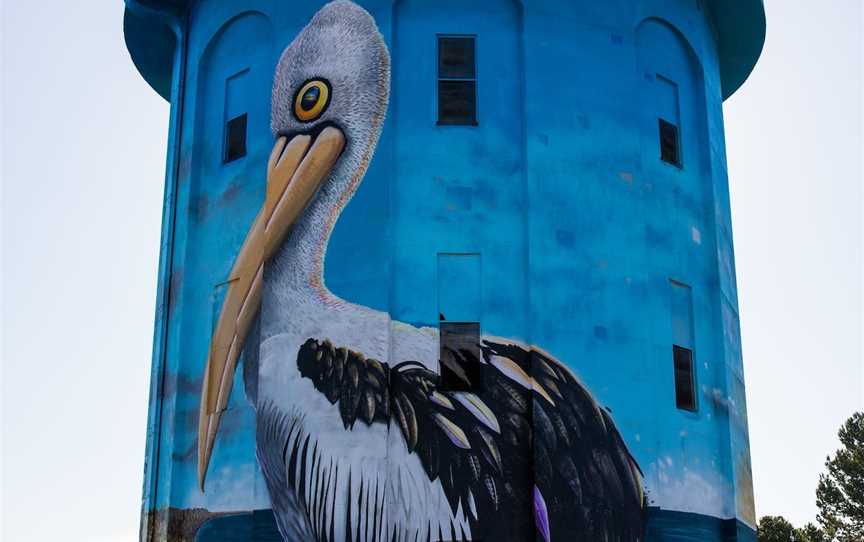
(355, 438)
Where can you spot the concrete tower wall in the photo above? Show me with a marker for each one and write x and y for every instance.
(552, 222)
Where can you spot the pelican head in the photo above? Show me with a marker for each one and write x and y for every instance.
(330, 94)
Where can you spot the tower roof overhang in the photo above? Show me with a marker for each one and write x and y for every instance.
(151, 41)
(740, 28)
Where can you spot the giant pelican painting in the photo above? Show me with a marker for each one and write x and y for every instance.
(356, 439)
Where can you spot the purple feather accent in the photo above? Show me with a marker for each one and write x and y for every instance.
(541, 516)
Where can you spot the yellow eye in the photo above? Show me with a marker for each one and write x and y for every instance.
(312, 100)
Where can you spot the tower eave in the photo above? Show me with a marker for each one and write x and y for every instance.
(151, 46)
(740, 28)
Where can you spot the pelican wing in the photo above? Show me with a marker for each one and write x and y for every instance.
(587, 485)
(477, 445)
(530, 453)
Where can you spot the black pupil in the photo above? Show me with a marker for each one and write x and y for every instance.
(310, 98)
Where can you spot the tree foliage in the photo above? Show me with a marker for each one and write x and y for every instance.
(778, 529)
(810, 533)
(775, 529)
(840, 494)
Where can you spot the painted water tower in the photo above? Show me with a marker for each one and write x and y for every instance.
(442, 270)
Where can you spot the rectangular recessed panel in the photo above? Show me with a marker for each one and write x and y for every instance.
(669, 115)
(456, 58)
(235, 138)
(237, 91)
(459, 287)
(457, 102)
(685, 382)
(681, 310)
(668, 101)
(683, 341)
(459, 308)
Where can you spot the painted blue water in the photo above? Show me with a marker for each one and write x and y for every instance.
(662, 526)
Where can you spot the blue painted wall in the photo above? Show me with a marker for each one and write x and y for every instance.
(579, 226)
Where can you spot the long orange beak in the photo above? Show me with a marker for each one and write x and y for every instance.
(294, 173)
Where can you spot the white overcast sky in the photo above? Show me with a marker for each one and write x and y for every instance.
(83, 148)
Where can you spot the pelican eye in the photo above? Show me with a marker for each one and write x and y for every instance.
(312, 100)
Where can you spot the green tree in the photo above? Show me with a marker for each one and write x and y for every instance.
(775, 529)
(810, 533)
(840, 494)
(778, 529)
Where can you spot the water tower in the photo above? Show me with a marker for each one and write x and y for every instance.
(443, 270)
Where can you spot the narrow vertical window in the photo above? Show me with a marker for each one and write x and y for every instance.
(683, 367)
(457, 81)
(459, 322)
(685, 385)
(236, 116)
(235, 138)
(669, 143)
(668, 122)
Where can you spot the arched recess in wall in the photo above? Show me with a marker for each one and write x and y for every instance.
(451, 170)
(480, 152)
(229, 146)
(672, 86)
(230, 142)
(234, 80)
(671, 89)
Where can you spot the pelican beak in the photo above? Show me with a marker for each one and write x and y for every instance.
(296, 169)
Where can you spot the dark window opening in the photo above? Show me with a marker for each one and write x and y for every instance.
(457, 102)
(456, 58)
(670, 145)
(457, 81)
(235, 138)
(685, 383)
(460, 356)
